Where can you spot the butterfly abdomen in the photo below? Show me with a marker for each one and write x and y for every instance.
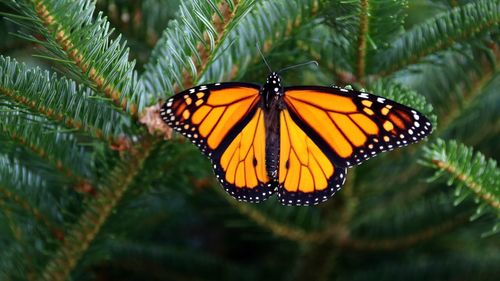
(272, 122)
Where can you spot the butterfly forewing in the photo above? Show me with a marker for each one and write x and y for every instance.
(351, 126)
(224, 120)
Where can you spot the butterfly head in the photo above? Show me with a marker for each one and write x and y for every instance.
(272, 90)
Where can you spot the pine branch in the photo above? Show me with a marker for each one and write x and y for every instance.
(479, 175)
(223, 28)
(15, 174)
(473, 175)
(58, 150)
(188, 47)
(446, 76)
(375, 24)
(84, 44)
(339, 235)
(404, 241)
(328, 49)
(21, 187)
(142, 21)
(461, 24)
(479, 117)
(395, 221)
(273, 22)
(459, 264)
(362, 37)
(96, 213)
(15, 229)
(59, 100)
(279, 229)
(479, 82)
(9, 43)
(7, 196)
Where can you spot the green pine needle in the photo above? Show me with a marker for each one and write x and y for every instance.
(472, 174)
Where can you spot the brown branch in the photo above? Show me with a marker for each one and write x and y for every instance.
(482, 79)
(338, 234)
(442, 45)
(206, 55)
(292, 28)
(221, 26)
(18, 236)
(14, 228)
(96, 213)
(405, 241)
(80, 184)
(62, 37)
(362, 34)
(486, 196)
(50, 113)
(37, 214)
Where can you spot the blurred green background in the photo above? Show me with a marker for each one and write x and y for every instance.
(90, 189)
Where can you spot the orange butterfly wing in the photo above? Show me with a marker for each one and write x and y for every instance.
(306, 175)
(351, 126)
(225, 121)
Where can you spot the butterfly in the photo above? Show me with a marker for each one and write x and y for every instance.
(294, 141)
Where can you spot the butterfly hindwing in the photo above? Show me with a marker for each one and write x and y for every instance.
(241, 167)
(351, 126)
(225, 121)
(306, 175)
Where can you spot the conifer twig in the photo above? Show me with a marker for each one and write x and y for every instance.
(37, 214)
(81, 184)
(445, 41)
(221, 26)
(50, 113)
(339, 235)
(62, 35)
(95, 215)
(481, 81)
(14, 228)
(404, 241)
(362, 37)
(477, 188)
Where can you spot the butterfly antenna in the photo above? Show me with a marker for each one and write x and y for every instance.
(264, 58)
(299, 65)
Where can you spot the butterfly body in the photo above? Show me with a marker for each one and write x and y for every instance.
(295, 141)
(272, 104)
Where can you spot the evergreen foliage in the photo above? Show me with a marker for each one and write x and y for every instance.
(91, 188)
(469, 173)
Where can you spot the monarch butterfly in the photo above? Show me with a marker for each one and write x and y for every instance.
(294, 141)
